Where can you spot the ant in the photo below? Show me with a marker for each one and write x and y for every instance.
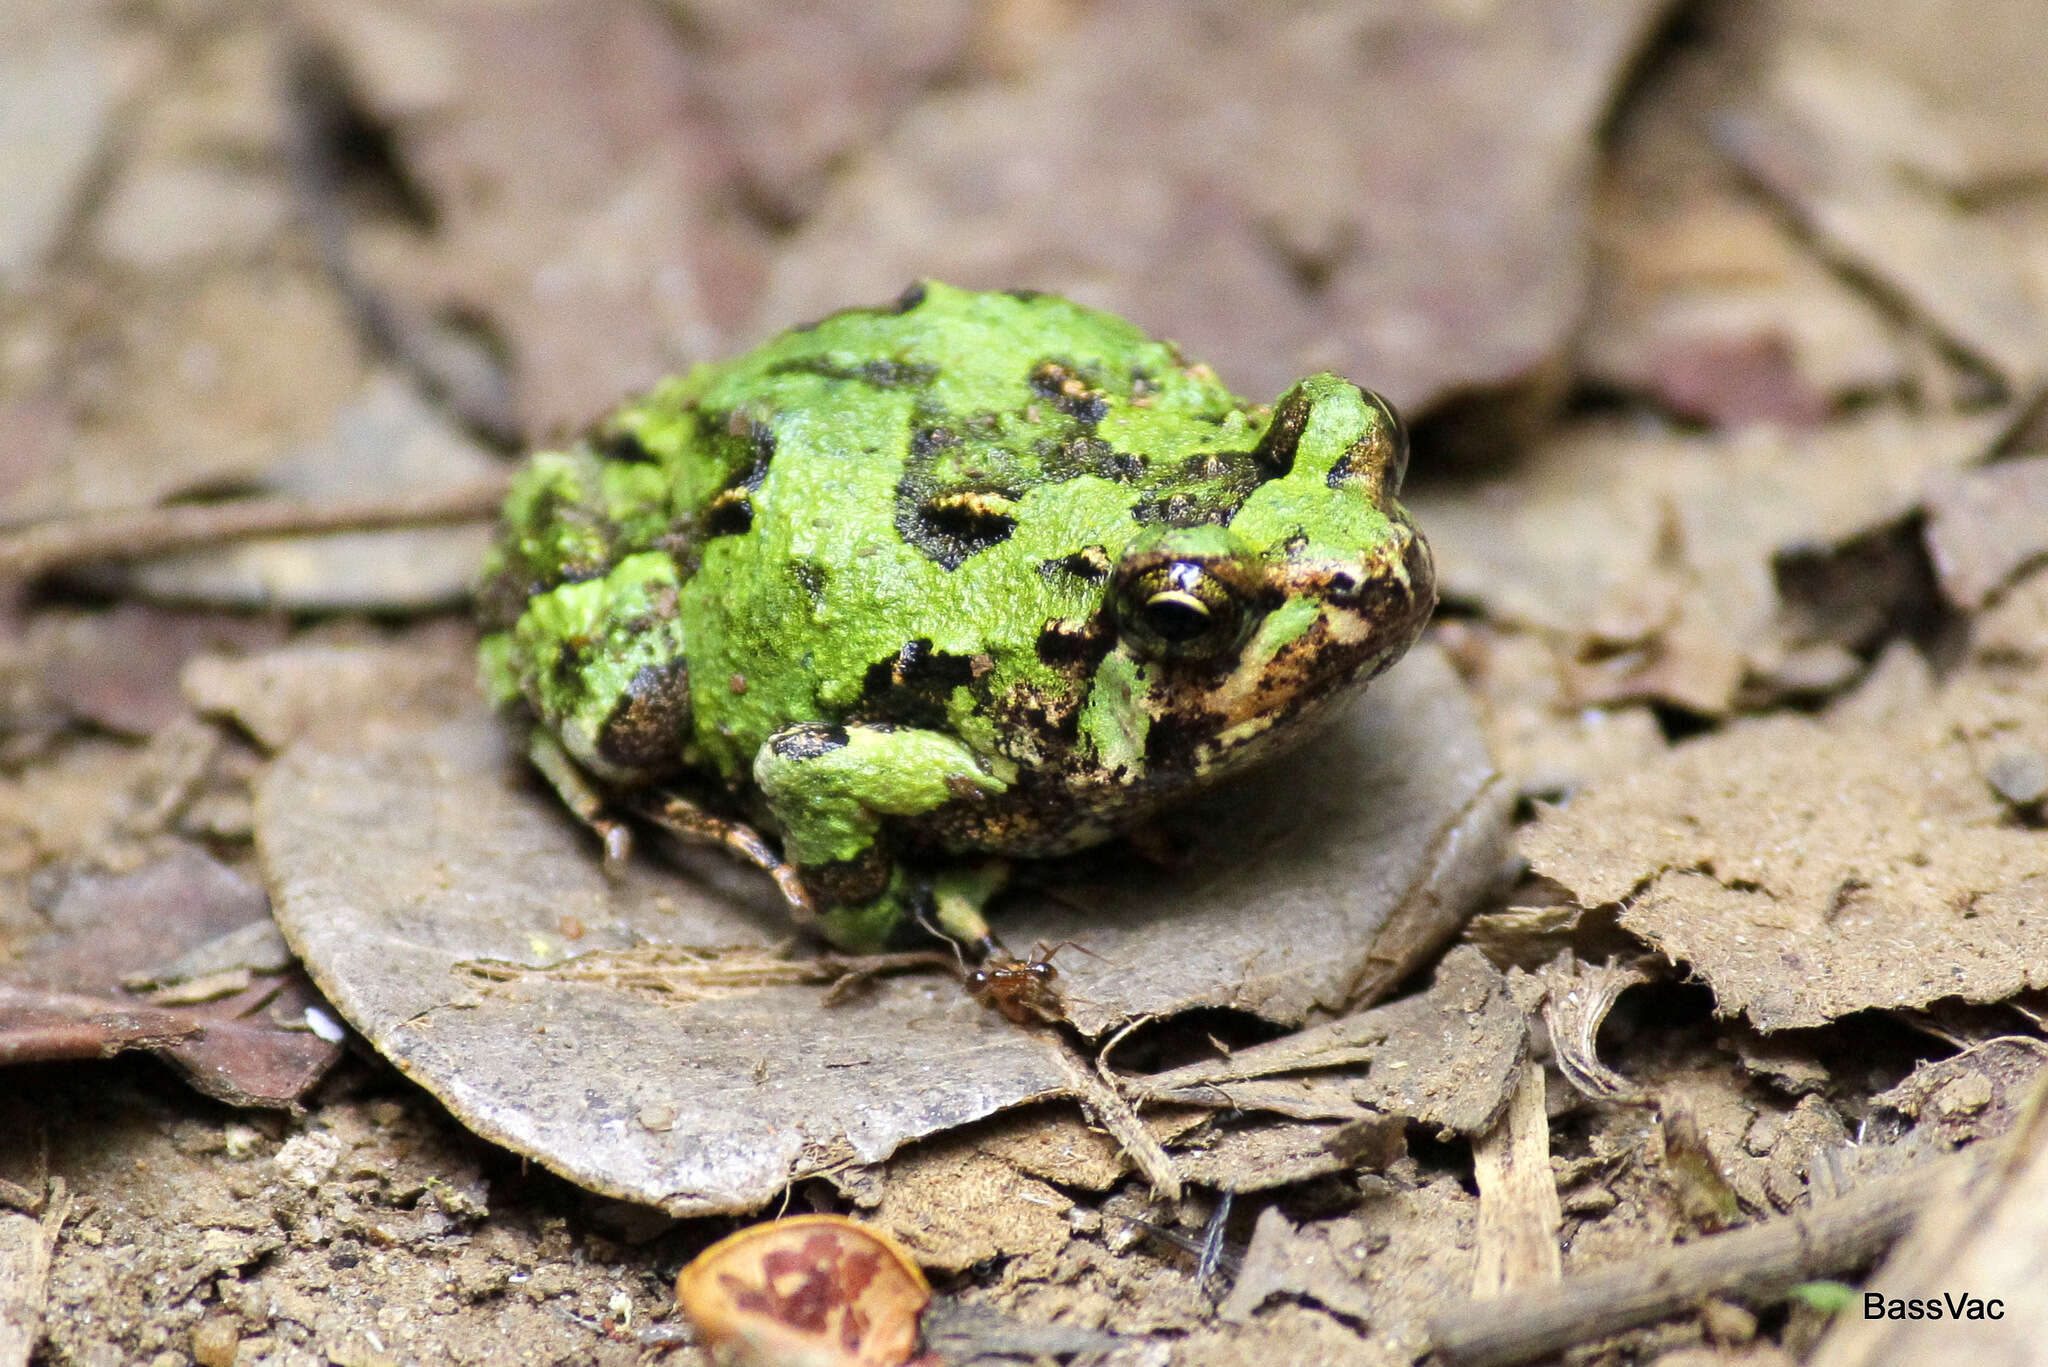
(1022, 989)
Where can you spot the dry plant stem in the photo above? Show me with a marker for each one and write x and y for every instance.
(1756, 1265)
(26, 1244)
(1519, 1214)
(712, 970)
(129, 534)
(1109, 1109)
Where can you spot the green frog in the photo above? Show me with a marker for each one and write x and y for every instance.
(915, 591)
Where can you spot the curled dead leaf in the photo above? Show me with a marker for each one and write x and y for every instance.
(809, 1291)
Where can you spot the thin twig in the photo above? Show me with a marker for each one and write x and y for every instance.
(131, 533)
(1109, 1109)
(26, 1246)
(1757, 1265)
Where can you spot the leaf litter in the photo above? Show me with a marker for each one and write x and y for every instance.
(1807, 870)
(1840, 534)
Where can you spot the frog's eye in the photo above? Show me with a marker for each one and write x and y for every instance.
(1180, 610)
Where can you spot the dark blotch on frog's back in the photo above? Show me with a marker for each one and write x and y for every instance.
(912, 687)
(745, 445)
(1088, 455)
(729, 513)
(944, 524)
(646, 730)
(1062, 384)
(1075, 646)
(623, 446)
(882, 374)
(808, 740)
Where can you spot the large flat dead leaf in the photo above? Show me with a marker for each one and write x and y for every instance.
(404, 867)
(1273, 190)
(1821, 141)
(578, 190)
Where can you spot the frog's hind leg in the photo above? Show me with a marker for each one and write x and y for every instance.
(686, 820)
(580, 796)
(958, 896)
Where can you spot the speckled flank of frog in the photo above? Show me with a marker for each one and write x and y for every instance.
(978, 574)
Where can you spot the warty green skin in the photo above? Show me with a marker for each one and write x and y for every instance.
(886, 587)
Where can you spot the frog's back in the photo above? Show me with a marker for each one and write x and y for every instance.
(877, 517)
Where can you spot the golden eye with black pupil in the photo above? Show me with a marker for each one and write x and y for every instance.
(1179, 610)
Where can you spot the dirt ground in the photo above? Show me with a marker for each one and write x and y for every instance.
(1691, 877)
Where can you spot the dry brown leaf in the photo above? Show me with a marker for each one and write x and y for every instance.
(1294, 217)
(581, 196)
(1985, 525)
(1813, 142)
(1809, 868)
(1662, 551)
(1447, 1057)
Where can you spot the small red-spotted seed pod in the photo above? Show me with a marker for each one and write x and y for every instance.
(809, 1291)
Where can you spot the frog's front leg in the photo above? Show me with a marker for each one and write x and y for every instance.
(832, 788)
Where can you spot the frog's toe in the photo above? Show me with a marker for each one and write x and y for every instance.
(618, 846)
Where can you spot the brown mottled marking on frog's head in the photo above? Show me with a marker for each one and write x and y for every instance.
(1366, 614)
(1075, 645)
(1377, 461)
(1275, 451)
(1090, 564)
(1264, 584)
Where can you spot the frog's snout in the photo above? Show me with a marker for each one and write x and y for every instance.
(1386, 594)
